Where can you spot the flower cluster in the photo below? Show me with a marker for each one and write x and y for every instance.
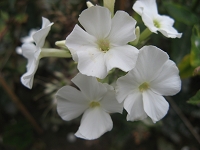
(103, 42)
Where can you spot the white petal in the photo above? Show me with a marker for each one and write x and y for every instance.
(134, 106)
(96, 21)
(29, 38)
(155, 105)
(110, 103)
(150, 61)
(18, 50)
(147, 6)
(94, 123)
(122, 29)
(89, 86)
(27, 78)
(170, 32)
(123, 57)
(148, 21)
(92, 63)
(166, 27)
(31, 52)
(126, 85)
(40, 36)
(45, 22)
(70, 103)
(167, 81)
(79, 40)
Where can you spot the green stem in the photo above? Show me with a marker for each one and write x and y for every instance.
(52, 52)
(144, 35)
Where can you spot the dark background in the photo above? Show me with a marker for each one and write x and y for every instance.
(178, 130)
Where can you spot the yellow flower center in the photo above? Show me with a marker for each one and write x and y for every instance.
(156, 23)
(144, 86)
(104, 45)
(94, 104)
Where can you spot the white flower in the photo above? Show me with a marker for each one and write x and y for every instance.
(32, 52)
(147, 9)
(103, 46)
(142, 88)
(95, 101)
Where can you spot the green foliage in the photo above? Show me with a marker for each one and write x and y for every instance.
(18, 135)
(185, 68)
(195, 49)
(181, 13)
(195, 100)
(21, 18)
(191, 60)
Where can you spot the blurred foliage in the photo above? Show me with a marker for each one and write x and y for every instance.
(18, 17)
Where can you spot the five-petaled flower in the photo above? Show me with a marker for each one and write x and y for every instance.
(147, 9)
(103, 46)
(95, 100)
(32, 52)
(142, 88)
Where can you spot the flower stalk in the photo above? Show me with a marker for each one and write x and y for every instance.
(144, 35)
(47, 52)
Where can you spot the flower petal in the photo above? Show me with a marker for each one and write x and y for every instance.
(122, 28)
(79, 40)
(126, 85)
(155, 105)
(31, 52)
(45, 22)
(167, 81)
(167, 28)
(148, 21)
(110, 103)
(94, 123)
(92, 63)
(29, 38)
(40, 36)
(96, 21)
(150, 61)
(71, 103)
(149, 6)
(134, 106)
(27, 78)
(122, 57)
(89, 86)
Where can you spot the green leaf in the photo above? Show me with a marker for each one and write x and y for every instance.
(195, 100)
(181, 13)
(4, 16)
(185, 68)
(21, 18)
(195, 47)
(18, 135)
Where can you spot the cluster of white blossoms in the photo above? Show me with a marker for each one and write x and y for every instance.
(101, 44)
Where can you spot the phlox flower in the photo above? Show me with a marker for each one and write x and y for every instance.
(95, 101)
(142, 88)
(32, 52)
(147, 9)
(103, 46)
